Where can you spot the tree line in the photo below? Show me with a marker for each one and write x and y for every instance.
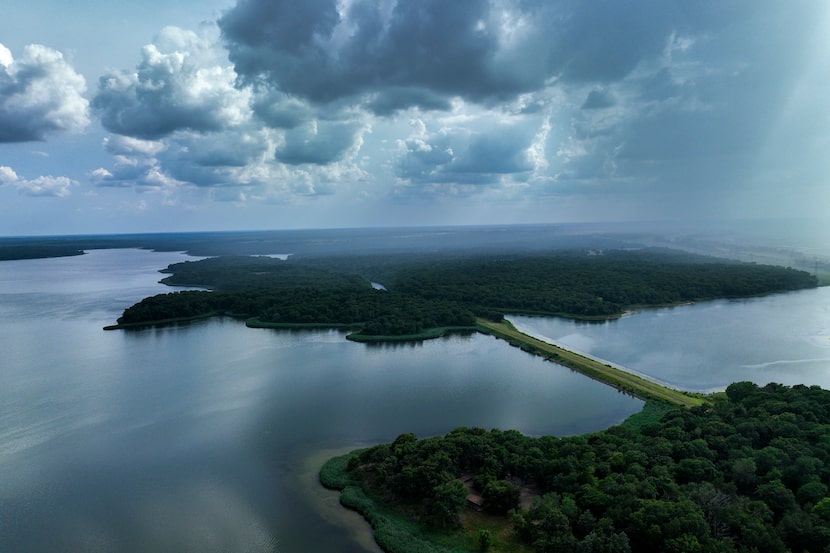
(748, 472)
(595, 284)
(436, 291)
(375, 312)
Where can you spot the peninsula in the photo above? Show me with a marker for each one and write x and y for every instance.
(425, 292)
(427, 296)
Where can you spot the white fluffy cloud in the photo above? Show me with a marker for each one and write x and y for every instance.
(39, 186)
(40, 94)
(181, 83)
(179, 120)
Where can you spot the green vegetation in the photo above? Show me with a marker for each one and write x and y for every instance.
(376, 313)
(746, 472)
(397, 531)
(36, 251)
(592, 284)
(259, 273)
(623, 381)
(428, 294)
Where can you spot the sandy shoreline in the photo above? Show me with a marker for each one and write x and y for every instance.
(327, 502)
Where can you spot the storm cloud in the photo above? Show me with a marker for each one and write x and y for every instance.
(562, 107)
(402, 54)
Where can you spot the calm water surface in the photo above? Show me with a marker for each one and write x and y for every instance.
(779, 338)
(207, 437)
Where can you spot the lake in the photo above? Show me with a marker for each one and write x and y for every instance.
(781, 338)
(207, 437)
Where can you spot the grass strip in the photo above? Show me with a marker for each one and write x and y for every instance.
(619, 379)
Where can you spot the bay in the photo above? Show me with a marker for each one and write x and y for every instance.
(782, 338)
(205, 437)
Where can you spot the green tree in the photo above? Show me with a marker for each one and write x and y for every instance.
(500, 496)
(822, 510)
(448, 501)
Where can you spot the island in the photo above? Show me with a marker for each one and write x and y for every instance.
(742, 471)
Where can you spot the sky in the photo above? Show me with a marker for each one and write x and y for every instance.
(154, 116)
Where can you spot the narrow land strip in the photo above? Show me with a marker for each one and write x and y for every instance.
(624, 381)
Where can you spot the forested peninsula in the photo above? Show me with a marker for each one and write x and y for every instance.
(745, 472)
(424, 294)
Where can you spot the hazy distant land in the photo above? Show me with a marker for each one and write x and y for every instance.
(776, 244)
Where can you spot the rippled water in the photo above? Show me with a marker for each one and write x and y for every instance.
(205, 437)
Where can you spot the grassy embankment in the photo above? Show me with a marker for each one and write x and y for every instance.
(626, 382)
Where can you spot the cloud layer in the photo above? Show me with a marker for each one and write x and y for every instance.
(655, 106)
(40, 94)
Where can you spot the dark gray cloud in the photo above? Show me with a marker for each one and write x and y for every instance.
(122, 175)
(314, 51)
(230, 158)
(396, 98)
(40, 94)
(395, 55)
(318, 143)
(215, 159)
(280, 111)
(599, 99)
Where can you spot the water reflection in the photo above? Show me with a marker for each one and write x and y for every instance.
(705, 346)
(194, 437)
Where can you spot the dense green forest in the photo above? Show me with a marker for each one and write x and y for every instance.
(593, 283)
(36, 251)
(747, 472)
(441, 291)
(374, 312)
(260, 272)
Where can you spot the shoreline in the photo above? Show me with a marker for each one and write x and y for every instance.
(387, 528)
(326, 500)
(616, 378)
(619, 379)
